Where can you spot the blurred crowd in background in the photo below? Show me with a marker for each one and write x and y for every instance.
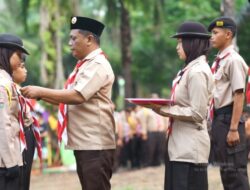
(140, 138)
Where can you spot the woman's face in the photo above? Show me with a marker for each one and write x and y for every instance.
(19, 75)
(180, 50)
(15, 60)
(19, 72)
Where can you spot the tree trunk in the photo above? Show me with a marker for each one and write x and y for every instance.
(59, 75)
(126, 49)
(76, 7)
(227, 9)
(245, 13)
(44, 24)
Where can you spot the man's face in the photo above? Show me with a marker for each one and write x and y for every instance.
(220, 37)
(78, 44)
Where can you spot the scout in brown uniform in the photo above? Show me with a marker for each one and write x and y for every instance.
(91, 126)
(19, 76)
(11, 50)
(229, 148)
(188, 143)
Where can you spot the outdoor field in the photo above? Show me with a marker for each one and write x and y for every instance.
(144, 179)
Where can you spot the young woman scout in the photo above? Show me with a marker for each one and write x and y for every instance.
(188, 141)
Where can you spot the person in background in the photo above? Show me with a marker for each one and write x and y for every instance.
(85, 106)
(188, 144)
(229, 146)
(118, 137)
(11, 59)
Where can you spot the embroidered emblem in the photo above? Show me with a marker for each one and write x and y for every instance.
(219, 23)
(73, 20)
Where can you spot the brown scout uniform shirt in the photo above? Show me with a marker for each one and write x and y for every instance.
(91, 125)
(189, 140)
(10, 150)
(230, 76)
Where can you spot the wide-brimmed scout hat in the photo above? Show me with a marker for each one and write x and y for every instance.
(191, 29)
(85, 23)
(13, 42)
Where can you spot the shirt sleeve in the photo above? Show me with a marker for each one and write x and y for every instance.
(6, 150)
(198, 95)
(237, 74)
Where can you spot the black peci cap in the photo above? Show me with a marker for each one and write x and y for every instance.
(13, 42)
(223, 22)
(88, 24)
(191, 29)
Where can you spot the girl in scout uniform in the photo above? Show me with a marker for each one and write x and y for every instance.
(11, 50)
(188, 140)
(19, 76)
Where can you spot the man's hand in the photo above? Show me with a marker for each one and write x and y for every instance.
(33, 92)
(233, 138)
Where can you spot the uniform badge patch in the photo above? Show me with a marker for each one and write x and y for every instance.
(73, 20)
(219, 23)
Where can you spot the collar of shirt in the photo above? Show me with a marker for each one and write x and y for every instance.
(225, 51)
(202, 58)
(93, 54)
(5, 75)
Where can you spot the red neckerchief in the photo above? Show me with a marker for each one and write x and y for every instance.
(248, 88)
(23, 103)
(176, 81)
(214, 69)
(62, 112)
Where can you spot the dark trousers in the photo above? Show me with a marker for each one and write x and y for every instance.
(154, 149)
(232, 160)
(7, 183)
(184, 175)
(136, 151)
(27, 159)
(94, 168)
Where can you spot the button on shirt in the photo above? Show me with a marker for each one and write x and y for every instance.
(230, 76)
(91, 125)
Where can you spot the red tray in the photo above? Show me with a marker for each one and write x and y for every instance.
(150, 101)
